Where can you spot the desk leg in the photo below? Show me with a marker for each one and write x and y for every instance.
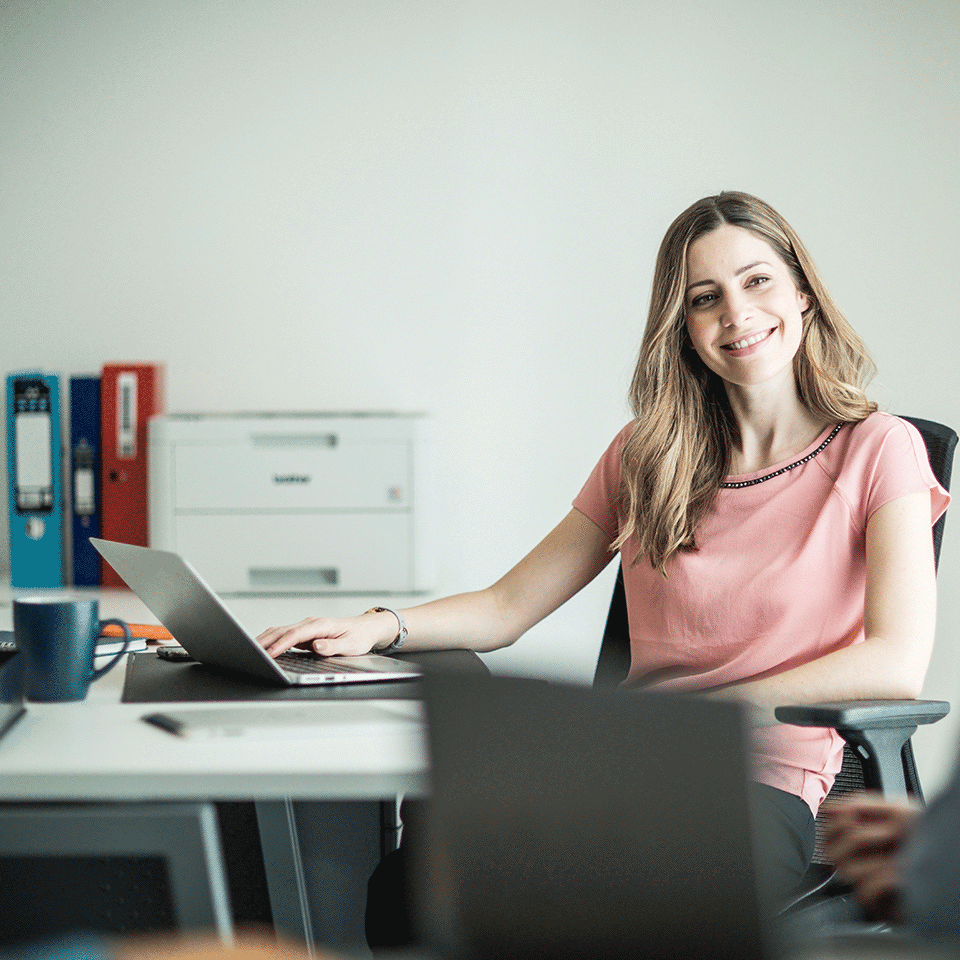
(284, 868)
(318, 857)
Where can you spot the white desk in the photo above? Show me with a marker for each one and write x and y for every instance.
(103, 751)
(100, 749)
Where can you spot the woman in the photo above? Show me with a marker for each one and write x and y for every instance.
(774, 528)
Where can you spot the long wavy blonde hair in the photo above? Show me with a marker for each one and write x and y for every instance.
(679, 451)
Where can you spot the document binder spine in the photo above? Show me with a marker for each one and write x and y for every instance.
(129, 395)
(34, 484)
(85, 477)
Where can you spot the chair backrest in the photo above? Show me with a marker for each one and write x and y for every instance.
(941, 442)
(613, 662)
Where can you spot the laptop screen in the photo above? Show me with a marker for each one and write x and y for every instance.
(569, 822)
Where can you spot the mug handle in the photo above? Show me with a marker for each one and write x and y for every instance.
(96, 674)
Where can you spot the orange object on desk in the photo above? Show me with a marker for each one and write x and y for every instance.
(149, 631)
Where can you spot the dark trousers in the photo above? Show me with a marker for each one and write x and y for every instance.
(785, 836)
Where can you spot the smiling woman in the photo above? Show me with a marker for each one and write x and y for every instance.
(739, 319)
(774, 528)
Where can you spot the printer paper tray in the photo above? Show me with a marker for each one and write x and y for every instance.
(303, 552)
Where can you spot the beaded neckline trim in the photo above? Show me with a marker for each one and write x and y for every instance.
(776, 473)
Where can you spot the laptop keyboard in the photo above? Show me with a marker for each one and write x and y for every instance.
(301, 663)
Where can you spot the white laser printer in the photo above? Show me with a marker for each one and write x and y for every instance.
(295, 503)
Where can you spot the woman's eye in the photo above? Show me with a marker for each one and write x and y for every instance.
(756, 281)
(703, 299)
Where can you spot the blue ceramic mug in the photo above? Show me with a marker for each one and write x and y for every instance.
(57, 638)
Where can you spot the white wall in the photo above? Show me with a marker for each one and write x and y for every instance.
(455, 207)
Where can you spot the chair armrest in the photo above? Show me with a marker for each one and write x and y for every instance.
(877, 730)
(864, 714)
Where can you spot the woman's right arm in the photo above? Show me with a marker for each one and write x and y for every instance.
(564, 562)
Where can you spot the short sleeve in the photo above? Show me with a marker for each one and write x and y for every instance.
(894, 463)
(597, 501)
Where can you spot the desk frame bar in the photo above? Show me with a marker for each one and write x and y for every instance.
(286, 881)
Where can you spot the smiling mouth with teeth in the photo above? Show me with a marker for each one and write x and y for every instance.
(747, 341)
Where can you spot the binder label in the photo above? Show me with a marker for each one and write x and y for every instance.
(84, 490)
(127, 416)
(34, 469)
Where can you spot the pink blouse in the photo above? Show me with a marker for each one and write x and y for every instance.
(778, 579)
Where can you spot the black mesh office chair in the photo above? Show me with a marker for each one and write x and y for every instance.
(878, 754)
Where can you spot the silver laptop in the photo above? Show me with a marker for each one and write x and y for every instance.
(180, 599)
